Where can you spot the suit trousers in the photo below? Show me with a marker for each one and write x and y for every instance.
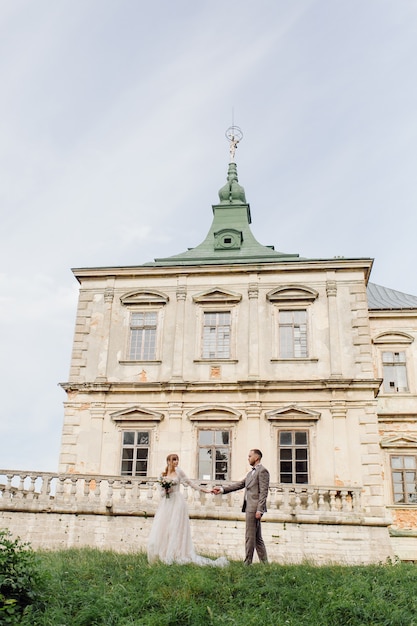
(253, 539)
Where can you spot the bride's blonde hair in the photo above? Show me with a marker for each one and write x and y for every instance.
(170, 458)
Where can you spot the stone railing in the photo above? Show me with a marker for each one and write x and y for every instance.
(117, 495)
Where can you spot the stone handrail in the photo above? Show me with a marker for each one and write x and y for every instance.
(122, 495)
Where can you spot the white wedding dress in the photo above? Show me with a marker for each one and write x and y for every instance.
(170, 537)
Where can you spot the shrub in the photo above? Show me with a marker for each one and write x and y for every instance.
(20, 578)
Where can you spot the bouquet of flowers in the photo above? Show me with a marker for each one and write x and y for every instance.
(165, 484)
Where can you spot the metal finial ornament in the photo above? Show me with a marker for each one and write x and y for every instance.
(234, 135)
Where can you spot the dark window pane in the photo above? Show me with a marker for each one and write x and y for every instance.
(301, 454)
(300, 438)
(285, 438)
(128, 438)
(301, 479)
(127, 468)
(141, 467)
(301, 466)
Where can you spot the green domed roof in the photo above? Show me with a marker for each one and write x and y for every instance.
(230, 239)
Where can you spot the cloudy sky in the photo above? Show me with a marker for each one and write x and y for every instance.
(112, 150)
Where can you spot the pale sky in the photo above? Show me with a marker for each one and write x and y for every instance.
(112, 150)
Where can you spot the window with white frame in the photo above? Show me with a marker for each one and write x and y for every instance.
(216, 335)
(214, 454)
(394, 372)
(293, 455)
(293, 334)
(143, 330)
(135, 453)
(404, 478)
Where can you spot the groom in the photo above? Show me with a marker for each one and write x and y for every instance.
(256, 486)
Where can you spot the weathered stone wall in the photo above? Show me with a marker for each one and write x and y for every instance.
(286, 542)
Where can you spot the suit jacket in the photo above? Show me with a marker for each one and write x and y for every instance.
(256, 487)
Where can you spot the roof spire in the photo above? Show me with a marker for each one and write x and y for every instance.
(232, 192)
(234, 135)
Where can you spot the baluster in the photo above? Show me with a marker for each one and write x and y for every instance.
(286, 506)
(8, 488)
(109, 501)
(31, 490)
(321, 503)
(45, 488)
(150, 490)
(333, 499)
(97, 490)
(122, 490)
(343, 495)
(21, 487)
(272, 504)
(310, 499)
(297, 500)
(356, 500)
(60, 488)
(73, 490)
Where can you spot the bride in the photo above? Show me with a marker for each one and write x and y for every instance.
(170, 537)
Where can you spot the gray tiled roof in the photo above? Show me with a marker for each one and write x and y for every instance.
(384, 298)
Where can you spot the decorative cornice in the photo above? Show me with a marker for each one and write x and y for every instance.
(137, 413)
(144, 296)
(394, 337)
(217, 295)
(292, 293)
(214, 412)
(292, 412)
(240, 386)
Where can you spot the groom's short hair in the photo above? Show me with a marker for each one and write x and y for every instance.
(257, 452)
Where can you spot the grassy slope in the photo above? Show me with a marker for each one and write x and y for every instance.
(89, 587)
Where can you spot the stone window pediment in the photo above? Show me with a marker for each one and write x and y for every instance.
(136, 414)
(217, 296)
(292, 293)
(399, 441)
(214, 413)
(292, 413)
(394, 337)
(144, 297)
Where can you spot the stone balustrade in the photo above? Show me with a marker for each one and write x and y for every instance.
(119, 495)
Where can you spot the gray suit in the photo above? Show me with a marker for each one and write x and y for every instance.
(256, 485)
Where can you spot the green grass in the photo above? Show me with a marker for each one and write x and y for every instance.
(92, 588)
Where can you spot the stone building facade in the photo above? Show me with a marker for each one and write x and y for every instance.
(233, 345)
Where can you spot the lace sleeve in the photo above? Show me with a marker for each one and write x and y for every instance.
(187, 481)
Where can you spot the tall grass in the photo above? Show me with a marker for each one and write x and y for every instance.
(92, 588)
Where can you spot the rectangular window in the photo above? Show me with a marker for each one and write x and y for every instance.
(213, 454)
(293, 456)
(135, 453)
(143, 336)
(394, 372)
(404, 476)
(216, 335)
(293, 334)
